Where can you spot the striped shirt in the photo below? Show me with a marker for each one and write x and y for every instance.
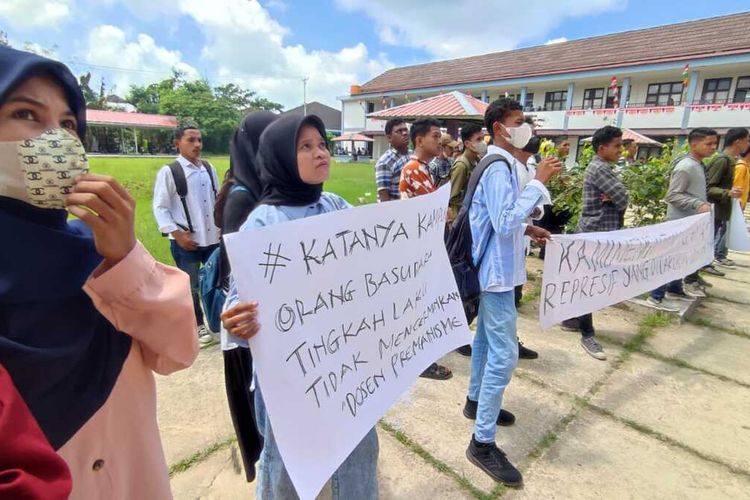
(416, 179)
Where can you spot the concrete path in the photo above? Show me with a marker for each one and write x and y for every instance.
(666, 416)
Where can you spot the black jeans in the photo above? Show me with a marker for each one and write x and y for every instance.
(586, 325)
(190, 262)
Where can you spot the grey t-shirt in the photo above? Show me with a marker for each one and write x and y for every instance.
(687, 188)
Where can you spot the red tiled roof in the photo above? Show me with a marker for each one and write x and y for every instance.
(450, 105)
(123, 119)
(635, 137)
(675, 42)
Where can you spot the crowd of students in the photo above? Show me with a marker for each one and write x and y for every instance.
(87, 315)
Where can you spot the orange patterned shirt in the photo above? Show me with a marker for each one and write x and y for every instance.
(415, 179)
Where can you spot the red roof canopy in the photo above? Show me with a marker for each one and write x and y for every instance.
(453, 105)
(353, 137)
(123, 119)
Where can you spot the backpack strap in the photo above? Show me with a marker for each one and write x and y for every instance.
(208, 168)
(180, 184)
(477, 174)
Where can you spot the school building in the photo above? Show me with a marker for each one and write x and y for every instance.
(661, 82)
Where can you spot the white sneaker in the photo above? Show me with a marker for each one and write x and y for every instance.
(662, 306)
(685, 296)
(205, 337)
(725, 262)
(695, 290)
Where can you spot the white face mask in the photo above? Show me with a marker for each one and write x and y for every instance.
(41, 171)
(520, 136)
(480, 148)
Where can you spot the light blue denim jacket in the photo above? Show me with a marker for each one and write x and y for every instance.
(497, 218)
(268, 215)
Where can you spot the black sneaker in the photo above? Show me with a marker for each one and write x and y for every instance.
(493, 461)
(525, 352)
(464, 350)
(505, 419)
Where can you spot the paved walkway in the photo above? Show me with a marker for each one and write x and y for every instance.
(666, 416)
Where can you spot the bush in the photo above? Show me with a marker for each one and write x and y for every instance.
(646, 181)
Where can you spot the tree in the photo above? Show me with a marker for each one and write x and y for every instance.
(93, 101)
(216, 110)
(4, 39)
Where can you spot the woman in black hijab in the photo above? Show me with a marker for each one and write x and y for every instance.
(294, 161)
(243, 191)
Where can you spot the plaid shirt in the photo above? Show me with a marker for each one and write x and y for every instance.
(388, 171)
(601, 179)
(440, 169)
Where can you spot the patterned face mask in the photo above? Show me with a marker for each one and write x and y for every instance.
(40, 171)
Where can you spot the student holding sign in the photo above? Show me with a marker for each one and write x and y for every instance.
(605, 200)
(497, 216)
(294, 162)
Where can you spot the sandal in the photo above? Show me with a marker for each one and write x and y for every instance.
(437, 372)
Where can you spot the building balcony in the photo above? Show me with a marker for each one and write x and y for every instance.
(590, 119)
(374, 125)
(719, 115)
(548, 120)
(653, 117)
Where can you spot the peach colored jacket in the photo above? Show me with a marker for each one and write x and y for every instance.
(117, 454)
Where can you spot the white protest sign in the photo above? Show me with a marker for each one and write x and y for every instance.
(738, 238)
(353, 306)
(590, 271)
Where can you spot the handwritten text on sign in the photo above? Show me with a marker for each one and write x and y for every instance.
(353, 306)
(587, 272)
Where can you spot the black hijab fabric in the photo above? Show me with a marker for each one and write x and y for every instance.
(64, 357)
(242, 154)
(277, 161)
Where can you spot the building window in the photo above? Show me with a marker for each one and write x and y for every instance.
(527, 106)
(716, 90)
(555, 101)
(742, 92)
(664, 94)
(593, 98)
(370, 107)
(611, 97)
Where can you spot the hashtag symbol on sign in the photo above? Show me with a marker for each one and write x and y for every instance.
(272, 262)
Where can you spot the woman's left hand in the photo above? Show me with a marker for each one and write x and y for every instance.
(109, 210)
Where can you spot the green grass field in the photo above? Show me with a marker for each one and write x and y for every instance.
(354, 181)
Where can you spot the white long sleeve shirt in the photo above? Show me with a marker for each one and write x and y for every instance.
(168, 209)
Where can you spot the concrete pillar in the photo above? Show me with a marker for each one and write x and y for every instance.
(524, 91)
(568, 103)
(485, 96)
(624, 98)
(692, 87)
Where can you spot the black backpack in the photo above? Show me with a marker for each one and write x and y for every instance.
(459, 243)
(180, 183)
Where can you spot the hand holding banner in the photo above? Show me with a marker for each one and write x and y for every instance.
(353, 306)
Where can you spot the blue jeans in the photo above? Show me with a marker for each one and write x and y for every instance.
(356, 478)
(720, 239)
(493, 358)
(190, 262)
